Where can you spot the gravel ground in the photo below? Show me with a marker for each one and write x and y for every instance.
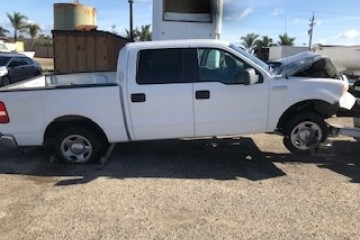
(243, 188)
(46, 63)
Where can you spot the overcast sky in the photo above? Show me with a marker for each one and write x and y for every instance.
(337, 22)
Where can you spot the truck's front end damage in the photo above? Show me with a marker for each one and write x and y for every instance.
(354, 112)
(317, 70)
(314, 65)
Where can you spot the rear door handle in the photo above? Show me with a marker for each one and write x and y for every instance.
(203, 94)
(138, 97)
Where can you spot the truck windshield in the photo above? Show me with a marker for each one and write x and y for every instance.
(257, 61)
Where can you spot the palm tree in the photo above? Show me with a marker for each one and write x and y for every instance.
(144, 34)
(128, 35)
(249, 41)
(264, 42)
(34, 30)
(18, 21)
(285, 40)
(3, 32)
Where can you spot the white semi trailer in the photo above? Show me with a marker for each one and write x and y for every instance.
(187, 19)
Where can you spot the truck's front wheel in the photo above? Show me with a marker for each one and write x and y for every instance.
(303, 132)
(79, 146)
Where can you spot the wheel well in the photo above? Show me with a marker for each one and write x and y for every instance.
(3, 77)
(322, 108)
(61, 123)
(6, 76)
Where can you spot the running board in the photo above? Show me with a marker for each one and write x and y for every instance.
(344, 131)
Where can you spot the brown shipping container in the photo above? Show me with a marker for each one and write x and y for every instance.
(86, 51)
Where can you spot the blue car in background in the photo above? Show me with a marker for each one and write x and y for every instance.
(16, 67)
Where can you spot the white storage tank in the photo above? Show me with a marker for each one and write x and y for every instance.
(72, 16)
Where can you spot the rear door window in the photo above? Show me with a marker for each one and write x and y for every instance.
(166, 66)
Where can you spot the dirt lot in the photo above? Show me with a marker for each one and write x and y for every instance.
(245, 188)
(46, 63)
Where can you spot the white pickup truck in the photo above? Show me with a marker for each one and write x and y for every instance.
(165, 90)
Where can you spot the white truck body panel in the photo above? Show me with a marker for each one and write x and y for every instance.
(167, 110)
(28, 124)
(232, 109)
(286, 92)
(45, 103)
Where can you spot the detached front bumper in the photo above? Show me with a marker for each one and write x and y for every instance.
(347, 101)
(353, 112)
(8, 141)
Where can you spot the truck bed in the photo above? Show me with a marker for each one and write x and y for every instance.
(64, 80)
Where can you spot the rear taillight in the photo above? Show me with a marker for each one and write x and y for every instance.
(4, 117)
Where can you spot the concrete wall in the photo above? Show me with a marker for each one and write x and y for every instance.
(277, 52)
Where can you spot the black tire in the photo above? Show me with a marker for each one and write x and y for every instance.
(78, 145)
(5, 81)
(304, 131)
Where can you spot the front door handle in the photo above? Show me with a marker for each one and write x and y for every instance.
(138, 97)
(203, 94)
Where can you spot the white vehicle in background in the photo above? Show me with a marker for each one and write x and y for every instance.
(345, 58)
(165, 90)
(3, 47)
(16, 67)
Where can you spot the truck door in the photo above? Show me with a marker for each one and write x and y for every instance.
(223, 105)
(160, 95)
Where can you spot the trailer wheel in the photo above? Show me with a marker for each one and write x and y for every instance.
(303, 132)
(79, 145)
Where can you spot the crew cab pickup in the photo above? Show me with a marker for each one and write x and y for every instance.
(165, 90)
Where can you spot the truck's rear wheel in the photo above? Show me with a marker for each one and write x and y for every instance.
(78, 145)
(303, 132)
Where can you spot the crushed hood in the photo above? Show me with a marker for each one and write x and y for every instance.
(305, 64)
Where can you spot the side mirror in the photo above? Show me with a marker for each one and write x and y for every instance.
(250, 76)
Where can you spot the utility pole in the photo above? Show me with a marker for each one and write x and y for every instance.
(131, 20)
(311, 30)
